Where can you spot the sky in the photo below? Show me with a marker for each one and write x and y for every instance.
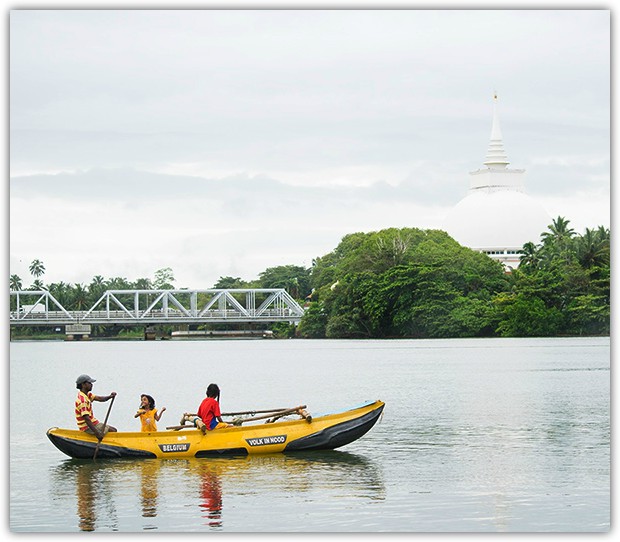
(224, 142)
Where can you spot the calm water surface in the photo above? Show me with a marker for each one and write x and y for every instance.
(499, 435)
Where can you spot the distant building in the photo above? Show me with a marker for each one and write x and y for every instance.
(496, 216)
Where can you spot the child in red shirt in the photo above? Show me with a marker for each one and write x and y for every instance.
(209, 416)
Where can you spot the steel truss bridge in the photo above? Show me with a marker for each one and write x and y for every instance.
(151, 307)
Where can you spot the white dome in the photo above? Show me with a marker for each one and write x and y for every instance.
(496, 219)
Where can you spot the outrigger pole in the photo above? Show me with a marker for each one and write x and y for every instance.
(270, 415)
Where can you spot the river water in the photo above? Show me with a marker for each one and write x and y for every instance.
(478, 435)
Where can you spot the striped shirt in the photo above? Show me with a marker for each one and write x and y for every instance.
(84, 405)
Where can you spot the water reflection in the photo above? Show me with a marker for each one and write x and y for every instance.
(92, 484)
(193, 494)
(149, 469)
(210, 493)
(85, 500)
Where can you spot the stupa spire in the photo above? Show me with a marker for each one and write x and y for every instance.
(496, 155)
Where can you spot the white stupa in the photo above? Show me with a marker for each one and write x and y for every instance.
(497, 216)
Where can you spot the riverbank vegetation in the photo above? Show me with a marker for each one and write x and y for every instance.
(413, 283)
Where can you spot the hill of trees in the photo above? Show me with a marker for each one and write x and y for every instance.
(415, 283)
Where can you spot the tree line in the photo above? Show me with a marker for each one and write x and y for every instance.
(422, 284)
(413, 283)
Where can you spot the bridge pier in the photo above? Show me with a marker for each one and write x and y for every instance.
(77, 332)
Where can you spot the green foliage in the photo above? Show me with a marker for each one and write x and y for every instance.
(589, 315)
(118, 283)
(347, 315)
(79, 298)
(373, 252)
(314, 322)
(96, 289)
(474, 318)
(37, 269)
(15, 283)
(566, 279)
(407, 283)
(143, 284)
(524, 316)
(283, 330)
(414, 283)
(344, 326)
(295, 279)
(164, 279)
(230, 283)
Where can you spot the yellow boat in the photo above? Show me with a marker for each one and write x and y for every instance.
(325, 432)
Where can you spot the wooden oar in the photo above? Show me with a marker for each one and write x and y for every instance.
(104, 424)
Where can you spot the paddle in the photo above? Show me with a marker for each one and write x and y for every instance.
(104, 424)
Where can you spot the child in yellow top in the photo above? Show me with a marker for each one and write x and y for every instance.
(148, 413)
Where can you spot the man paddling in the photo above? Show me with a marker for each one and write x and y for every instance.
(84, 407)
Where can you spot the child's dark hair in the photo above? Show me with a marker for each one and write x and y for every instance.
(213, 391)
(149, 399)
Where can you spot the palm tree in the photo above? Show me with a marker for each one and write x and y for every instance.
(603, 233)
(118, 283)
(593, 248)
(529, 256)
(15, 283)
(97, 282)
(80, 297)
(37, 285)
(142, 284)
(558, 231)
(37, 268)
(96, 288)
(557, 241)
(61, 292)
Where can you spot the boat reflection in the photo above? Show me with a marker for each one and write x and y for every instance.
(182, 494)
(91, 484)
(210, 492)
(149, 470)
(85, 501)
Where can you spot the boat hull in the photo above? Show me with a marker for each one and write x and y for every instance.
(322, 433)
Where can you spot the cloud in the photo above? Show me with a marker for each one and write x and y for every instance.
(125, 222)
(223, 142)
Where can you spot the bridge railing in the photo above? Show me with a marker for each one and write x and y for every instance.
(160, 306)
